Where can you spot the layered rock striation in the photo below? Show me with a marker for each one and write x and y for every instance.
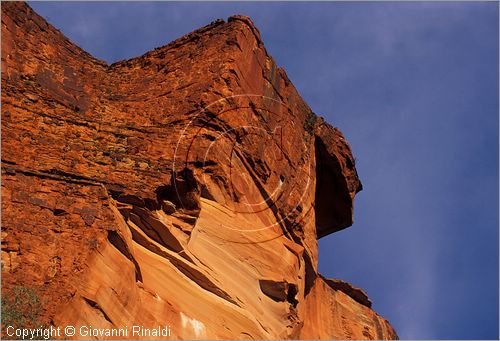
(186, 187)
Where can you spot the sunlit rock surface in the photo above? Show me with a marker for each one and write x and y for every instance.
(186, 187)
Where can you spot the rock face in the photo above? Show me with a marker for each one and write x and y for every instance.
(183, 188)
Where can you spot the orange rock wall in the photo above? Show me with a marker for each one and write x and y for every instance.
(186, 187)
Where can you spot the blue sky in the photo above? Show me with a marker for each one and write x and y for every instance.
(414, 87)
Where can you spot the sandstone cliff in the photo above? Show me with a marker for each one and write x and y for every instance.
(186, 187)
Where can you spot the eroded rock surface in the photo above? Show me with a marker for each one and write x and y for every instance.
(186, 187)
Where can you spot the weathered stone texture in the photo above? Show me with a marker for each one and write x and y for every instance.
(186, 187)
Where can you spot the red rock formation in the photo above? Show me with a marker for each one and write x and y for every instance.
(186, 187)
